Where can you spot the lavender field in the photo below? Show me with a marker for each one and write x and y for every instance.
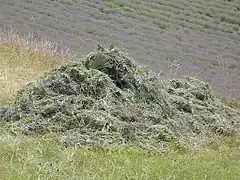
(188, 37)
(107, 117)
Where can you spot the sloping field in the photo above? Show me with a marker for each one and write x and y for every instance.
(108, 100)
(201, 38)
(42, 157)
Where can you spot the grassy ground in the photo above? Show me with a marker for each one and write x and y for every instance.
(41, 157)
(23, 60)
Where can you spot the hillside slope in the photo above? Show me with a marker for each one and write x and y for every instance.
(194, 37)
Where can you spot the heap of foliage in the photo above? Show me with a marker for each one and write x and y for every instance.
(107, 100)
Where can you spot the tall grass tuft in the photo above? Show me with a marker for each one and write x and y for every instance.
(24, 59)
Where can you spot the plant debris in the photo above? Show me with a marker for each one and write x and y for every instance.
(108, 100)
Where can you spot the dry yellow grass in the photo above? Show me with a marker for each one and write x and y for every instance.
(23, 60)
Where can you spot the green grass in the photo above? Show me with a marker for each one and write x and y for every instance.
(23, 157)
(114, 4)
